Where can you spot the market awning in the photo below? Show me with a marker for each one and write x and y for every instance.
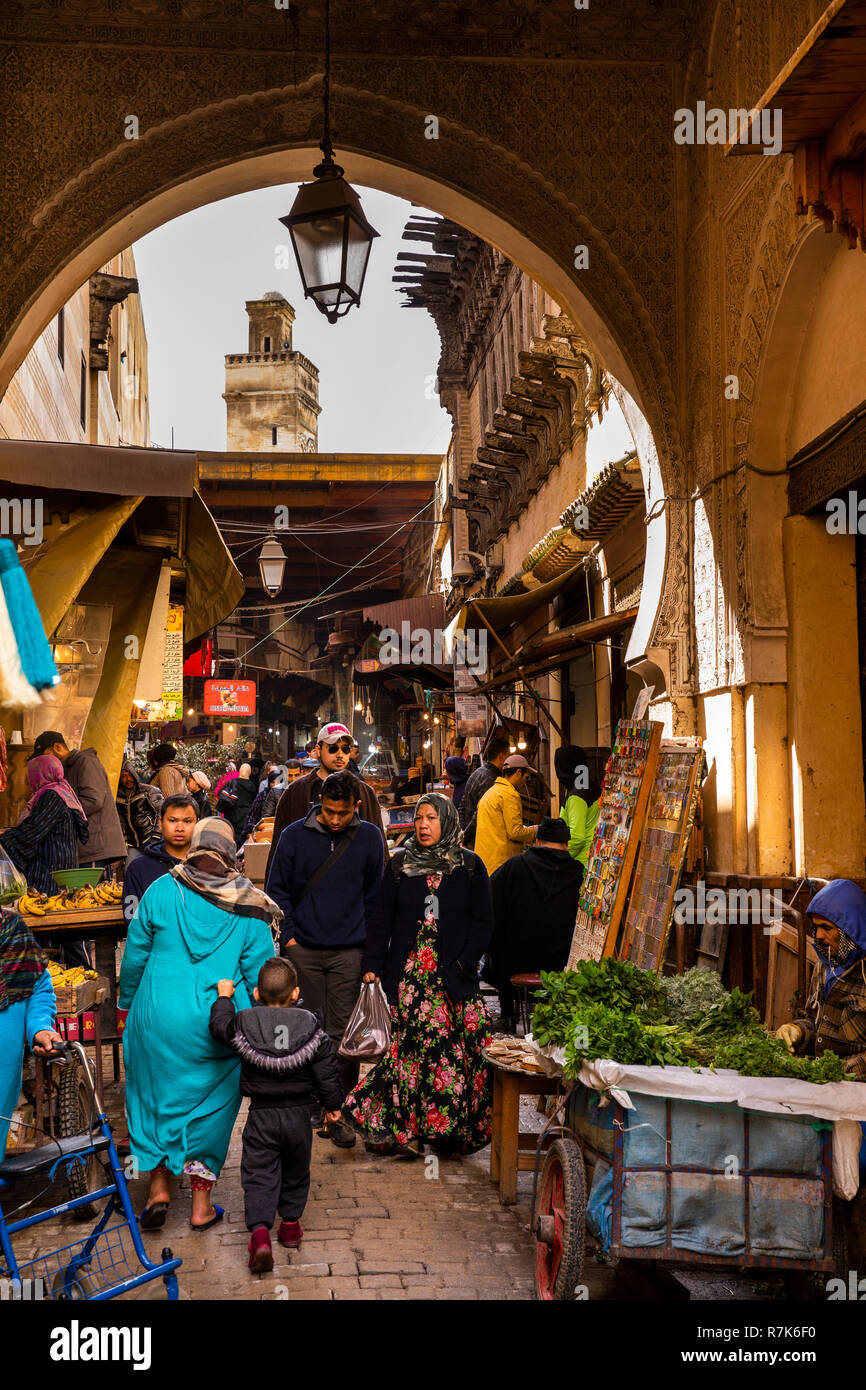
(102, 468)
(214, 584)
(128, 580)
(555, 648)
(502, 613)
(63, 566)
(426, 611)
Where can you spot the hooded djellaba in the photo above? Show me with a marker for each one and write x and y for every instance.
(200, 923)
(835, 1014)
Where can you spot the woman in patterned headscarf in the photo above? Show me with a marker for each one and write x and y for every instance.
(200, 923)
(434, 922)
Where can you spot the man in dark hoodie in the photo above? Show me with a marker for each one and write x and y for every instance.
(178, 819)
(326, 874)
(287, 1061)
(535, 898)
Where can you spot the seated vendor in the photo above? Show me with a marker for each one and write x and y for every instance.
(835, 1014)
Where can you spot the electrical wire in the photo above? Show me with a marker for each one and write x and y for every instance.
(330, 586)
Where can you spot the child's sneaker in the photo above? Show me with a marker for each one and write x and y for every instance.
(261, 1259)
(290, 1234)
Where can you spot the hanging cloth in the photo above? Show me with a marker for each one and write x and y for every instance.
(4, 759)
(35, 652)
(16, 692)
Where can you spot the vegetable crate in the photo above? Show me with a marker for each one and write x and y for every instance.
(683, 1182)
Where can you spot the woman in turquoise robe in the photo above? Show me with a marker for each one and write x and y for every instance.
(27, 1009)
(201, 923)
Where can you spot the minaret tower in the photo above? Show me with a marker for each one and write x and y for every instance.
(272, 391)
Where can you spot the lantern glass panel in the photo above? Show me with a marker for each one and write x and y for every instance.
(319, 243)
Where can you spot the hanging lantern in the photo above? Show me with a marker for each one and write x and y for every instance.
(330, 235)
(272, 566)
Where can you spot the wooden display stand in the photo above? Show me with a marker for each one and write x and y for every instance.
(625, 791)
(512, 1150)
(665, 836)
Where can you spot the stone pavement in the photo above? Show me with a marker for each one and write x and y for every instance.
(375, 1228)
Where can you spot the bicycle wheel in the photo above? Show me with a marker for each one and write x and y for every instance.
(74, 1117)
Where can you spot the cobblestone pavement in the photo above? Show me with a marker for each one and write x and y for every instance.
(376, 1228)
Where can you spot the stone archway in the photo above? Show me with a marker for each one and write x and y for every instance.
(266, 138)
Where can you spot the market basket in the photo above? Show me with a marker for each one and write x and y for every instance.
(93, 1268)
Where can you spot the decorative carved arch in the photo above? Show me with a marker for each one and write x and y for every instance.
(265, 138)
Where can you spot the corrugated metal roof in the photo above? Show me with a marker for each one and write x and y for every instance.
(427, 611)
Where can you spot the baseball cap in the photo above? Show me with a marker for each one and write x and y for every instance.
(332, 733)
(48, 740)
(517, 760)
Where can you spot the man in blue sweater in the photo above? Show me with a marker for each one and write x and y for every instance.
(326, 874)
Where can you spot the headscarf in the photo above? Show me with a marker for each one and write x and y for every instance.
(843, 904)
(45, 774)
(567, 760)
(210, 869)
(446, 855)
(245, 771)
(21, 960)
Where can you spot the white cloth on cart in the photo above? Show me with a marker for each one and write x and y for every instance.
(842, 1102)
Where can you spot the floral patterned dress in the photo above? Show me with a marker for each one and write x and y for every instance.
(433, 1083)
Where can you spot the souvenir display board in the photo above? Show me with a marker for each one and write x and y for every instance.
(670, 815)
(625, 788)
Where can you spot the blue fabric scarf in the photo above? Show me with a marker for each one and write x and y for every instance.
(33, 648)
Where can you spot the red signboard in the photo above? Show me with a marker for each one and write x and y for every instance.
(230, 697)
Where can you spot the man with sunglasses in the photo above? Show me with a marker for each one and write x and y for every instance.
(333, 747)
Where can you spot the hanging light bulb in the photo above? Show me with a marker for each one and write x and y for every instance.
(512, 748)
(436, 719)
(521, 743)
(427, 742)
(368, 716)
(426, 715)
(359, 705)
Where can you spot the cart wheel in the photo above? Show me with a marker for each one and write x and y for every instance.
(559, 1222)
(74, 1117)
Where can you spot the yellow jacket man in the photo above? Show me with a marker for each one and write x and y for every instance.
(501, 832)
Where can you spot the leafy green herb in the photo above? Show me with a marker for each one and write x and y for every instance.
(611, 1009)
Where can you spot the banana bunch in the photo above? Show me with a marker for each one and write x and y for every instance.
(33, 904)
(92, 896)
(76, 975)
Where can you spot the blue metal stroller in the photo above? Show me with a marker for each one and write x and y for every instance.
(111, 1260)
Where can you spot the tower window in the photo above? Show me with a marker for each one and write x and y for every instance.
(82, 402)
(61, 337)
(267, 349)
(273, 430)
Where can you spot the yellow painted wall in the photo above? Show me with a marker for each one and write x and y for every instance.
(824, 717)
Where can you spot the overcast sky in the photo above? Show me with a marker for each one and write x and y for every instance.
(374, 366)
